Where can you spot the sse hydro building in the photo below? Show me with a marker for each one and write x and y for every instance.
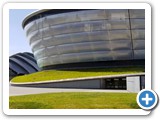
(66, 38)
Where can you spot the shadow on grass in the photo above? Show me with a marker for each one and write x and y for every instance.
(134, 106)
(27, 105)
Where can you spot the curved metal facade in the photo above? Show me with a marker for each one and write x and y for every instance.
(22, 63)
(87, 36)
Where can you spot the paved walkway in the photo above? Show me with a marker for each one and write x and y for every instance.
(15, 91)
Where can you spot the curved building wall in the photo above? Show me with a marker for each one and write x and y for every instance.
(87, 36)
(22, 63)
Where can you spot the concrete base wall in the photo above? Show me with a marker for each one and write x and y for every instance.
(133, 83)
(78, 84)
(88, 84)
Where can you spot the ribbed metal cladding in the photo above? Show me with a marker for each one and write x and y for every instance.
(22, 63)
(87, 36)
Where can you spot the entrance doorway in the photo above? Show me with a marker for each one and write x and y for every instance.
(115, 83)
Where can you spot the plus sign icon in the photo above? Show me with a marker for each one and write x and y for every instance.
(147, 99)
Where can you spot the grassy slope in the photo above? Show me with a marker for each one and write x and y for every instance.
(65, 74)
(75, 100)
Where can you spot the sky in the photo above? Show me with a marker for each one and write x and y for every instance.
(17, 38)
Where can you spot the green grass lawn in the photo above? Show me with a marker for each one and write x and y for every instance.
(75, 100)
(65, 74)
